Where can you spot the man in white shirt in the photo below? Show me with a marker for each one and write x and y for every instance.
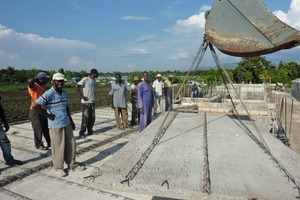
(158, 86)
(88, 102)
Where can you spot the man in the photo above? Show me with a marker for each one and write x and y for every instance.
(135, 114)
(168, 93)
(200, 89)
(61, 125)
(88, 102)
(118, 101)
(4, 141)
(145, 101)
(39, 121)
(158, 86)
(194, 90)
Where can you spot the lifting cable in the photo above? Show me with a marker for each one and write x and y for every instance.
(221, 68)
(261, 143)
(162, 129)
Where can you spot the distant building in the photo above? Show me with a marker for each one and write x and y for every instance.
(295, 90)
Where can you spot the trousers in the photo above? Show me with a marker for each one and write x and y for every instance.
(88, 118)
(63, 147)
(39, 123)
(124, 114)
(5, 146)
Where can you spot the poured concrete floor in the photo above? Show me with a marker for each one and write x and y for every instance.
(238, 167)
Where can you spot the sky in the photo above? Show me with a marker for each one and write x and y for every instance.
(116, 35)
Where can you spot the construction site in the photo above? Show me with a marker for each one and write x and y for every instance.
(238, 141)
(199, 150)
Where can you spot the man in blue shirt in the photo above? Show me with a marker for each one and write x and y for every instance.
(60, 125)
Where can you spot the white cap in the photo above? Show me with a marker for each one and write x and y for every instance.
(58, 76)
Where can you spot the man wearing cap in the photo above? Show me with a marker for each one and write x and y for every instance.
(168, 89)
(135, 114)
(36, 87)
(158, 86)
(88, 102)
(61, 125)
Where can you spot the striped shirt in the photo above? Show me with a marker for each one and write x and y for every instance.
(56, 104)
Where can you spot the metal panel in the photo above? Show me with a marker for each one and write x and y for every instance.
(247, 28)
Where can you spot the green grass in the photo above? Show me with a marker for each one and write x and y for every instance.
(12, 86)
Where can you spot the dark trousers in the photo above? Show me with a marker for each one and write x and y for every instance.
(5, 146)
(39, 123)
(88, 118)
(169, 102)
(135, 114)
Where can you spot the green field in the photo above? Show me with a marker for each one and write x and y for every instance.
(16, 101)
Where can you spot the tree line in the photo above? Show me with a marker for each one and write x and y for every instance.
(249, 69)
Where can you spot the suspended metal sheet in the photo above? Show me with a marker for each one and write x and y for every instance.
(247, 28)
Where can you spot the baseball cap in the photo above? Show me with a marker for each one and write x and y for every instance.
(58, 76)
(41, 75)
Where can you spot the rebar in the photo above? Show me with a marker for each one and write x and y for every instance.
(206, 177)
(133, 172)
(9, 179)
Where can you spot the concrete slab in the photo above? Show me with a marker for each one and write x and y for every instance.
(239, 168)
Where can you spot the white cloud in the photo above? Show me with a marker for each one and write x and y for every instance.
(137, 51)
(145, 38)
(137, 18)
(75, 5)
(181, 54)
(31, 50)
(149, 51)
(292, 17)
(75, 61)
(11, 57)
(194, 24)
(4, 32)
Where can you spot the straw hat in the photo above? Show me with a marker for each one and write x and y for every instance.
(158, 76)
(170, 75)
(136, 78)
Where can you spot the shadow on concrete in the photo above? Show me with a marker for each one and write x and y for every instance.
(105, 153)
(242, 117)
(104, 122)
(104, 129)
(83, 141)
(42, 156)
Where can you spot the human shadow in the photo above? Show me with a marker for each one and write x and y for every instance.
(105, 153)
(42, 156)
(104, 129)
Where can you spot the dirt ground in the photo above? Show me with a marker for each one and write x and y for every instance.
(288, 109)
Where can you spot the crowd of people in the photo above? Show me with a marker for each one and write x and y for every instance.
(50, 116)
(196, 89)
